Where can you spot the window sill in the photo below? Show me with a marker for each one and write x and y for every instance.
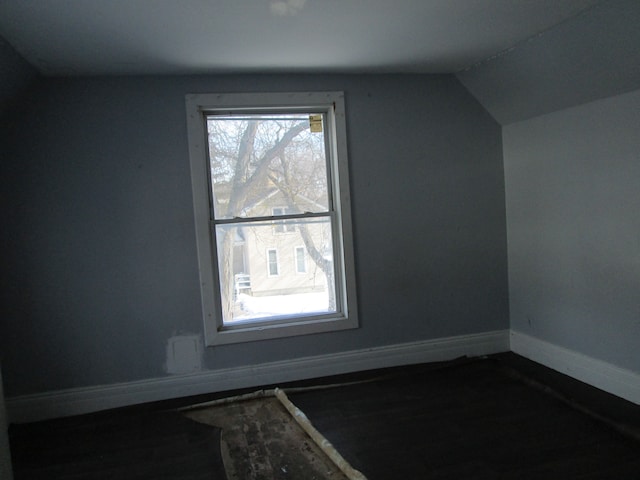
(252, 332)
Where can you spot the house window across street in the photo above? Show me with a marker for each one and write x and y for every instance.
(263, 165)
(272, 262)
(282, 226)
(301, 260)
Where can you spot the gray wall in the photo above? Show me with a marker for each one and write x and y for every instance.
(101, 268)
(16, 78)
(573, 218)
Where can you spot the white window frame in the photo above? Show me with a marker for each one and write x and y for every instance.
(332, 105)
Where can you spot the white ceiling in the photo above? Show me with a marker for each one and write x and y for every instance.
(121, 37)
(519, 58)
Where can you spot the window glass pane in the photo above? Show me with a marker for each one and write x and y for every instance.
(259, 271)
(262, 161)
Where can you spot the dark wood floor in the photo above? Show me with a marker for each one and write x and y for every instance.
(121, 444)
(473, 420)
(501, 417)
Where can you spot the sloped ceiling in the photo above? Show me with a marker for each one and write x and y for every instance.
(520, 58)
(594, 55)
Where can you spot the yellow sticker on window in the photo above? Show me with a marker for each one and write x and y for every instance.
(315, 123)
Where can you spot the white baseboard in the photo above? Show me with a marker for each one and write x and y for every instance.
(605, 376)
(30, 408)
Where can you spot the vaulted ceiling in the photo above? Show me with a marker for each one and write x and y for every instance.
(594, 55)
(520, 58)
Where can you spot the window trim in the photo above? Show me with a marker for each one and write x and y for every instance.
(331, 103)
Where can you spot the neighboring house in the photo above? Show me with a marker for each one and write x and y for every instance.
(272, 259)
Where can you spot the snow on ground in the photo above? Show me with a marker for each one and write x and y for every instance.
(255, 307)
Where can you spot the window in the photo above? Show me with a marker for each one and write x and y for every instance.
(301, 260)
(263, 165)
(282, 226)
(272, 262)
